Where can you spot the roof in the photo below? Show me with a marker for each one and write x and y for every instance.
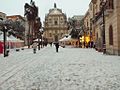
(16, 17)
(78, 17)
(55, 11)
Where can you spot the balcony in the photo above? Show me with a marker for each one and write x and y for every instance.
(98, 15)
(109, 7)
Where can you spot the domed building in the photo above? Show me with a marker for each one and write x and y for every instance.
(55, 25)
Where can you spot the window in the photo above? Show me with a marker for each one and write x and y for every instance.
(61, 34)
(56, 31)
(50, 20)
(61, 21)
(56, 23)
(91, 7)
(50, 35)
(111, 35)
(110, 4)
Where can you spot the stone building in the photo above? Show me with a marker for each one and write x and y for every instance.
(92, 24)
(105, 18)
(55, 25)
(86, 27)
(106, 22)
(97, 21)
(112, 27)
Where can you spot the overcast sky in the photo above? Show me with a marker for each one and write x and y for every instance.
(70, 7)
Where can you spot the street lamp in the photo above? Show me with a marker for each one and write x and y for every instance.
(84, 31)
(42, 40)
(80, 36)
(103, 33)
(40, 37)
(39, 40)
(4, 24)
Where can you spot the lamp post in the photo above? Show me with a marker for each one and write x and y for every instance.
(84, 31)
(38, 25)
(4, 24)
(103, 32)
(39, 40)
(91, 42)
(40, 37)
(4, 37)
(42, 40)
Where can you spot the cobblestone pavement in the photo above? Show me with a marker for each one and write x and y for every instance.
(69, 69)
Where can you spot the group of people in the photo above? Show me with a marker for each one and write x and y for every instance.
(34, 46)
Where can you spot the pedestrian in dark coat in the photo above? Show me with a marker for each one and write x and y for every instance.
(57, 46)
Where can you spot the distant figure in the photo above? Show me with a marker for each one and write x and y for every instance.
(92, 44)
(57, 46)
(34, 45)
(51, 44)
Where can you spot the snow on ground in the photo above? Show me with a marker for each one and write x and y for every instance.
(69, 69)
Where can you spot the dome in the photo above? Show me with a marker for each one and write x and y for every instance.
(55, 11)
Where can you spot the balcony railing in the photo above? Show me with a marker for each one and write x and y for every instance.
(98, 15)
(107, 8)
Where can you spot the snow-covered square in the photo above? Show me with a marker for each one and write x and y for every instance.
(69, 69)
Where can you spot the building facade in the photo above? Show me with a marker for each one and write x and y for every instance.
(97, 21)
(105, 18)
(86, 28)
(55, 25)
(112, 27)
(106, 22)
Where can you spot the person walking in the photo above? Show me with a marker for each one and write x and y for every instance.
(34, 47)
(57, 46)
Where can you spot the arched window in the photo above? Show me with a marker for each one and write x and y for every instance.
(111, 35)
